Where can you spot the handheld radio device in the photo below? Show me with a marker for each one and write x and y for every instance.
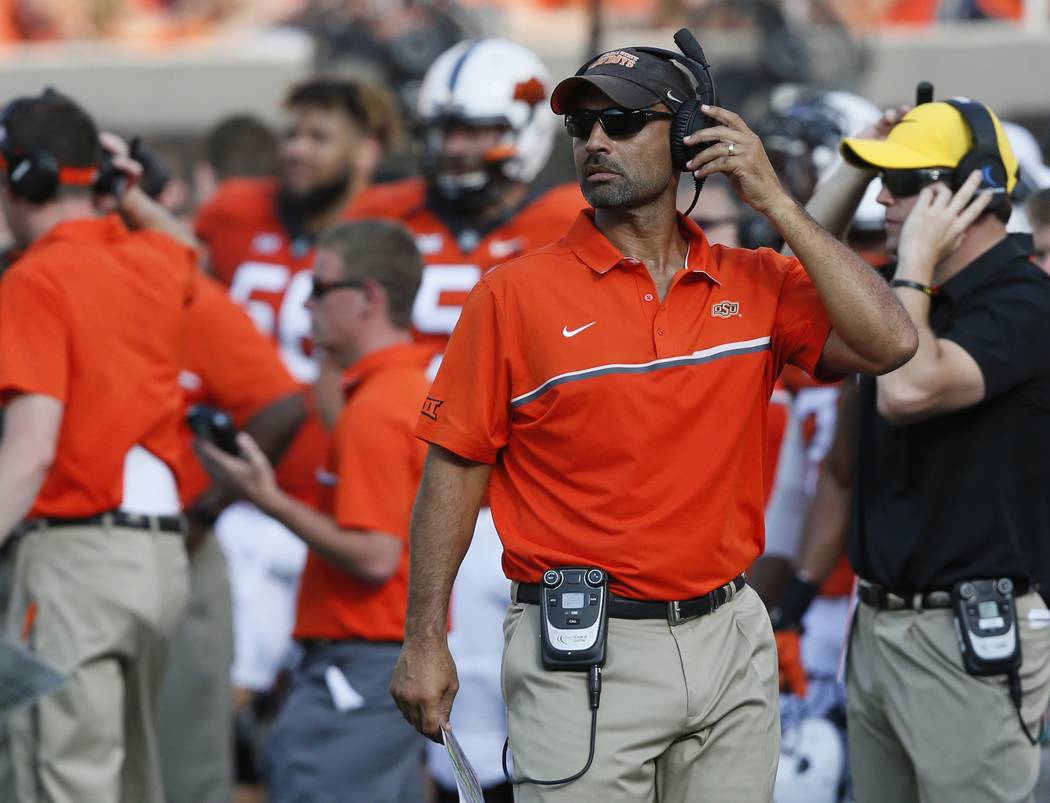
(986, 626)
(214, 426)
(575, 618)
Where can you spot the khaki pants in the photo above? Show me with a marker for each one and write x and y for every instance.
(921, 730)
(196, 701)
(100, 603)
(688, 713)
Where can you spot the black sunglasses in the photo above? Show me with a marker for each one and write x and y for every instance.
(319, 289)
(906, 183)
(616, 123)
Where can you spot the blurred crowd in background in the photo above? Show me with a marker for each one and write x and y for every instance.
(49, 20)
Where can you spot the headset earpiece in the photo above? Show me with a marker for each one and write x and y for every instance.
(689, 117)
(33, 176)
(984, 156)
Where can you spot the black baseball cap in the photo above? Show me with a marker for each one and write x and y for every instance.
(633, 79)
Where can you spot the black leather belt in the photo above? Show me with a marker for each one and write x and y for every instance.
(674, 611)
(886, 600)
(115, 518)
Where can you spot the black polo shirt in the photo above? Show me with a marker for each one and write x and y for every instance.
(966, 494)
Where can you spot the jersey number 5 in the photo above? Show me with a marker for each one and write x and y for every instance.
(440, 297)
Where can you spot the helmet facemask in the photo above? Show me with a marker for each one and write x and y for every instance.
(473, 174)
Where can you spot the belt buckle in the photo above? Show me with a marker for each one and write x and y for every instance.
(938, 599)
(674, 613)
(895, 602)
(137, 519)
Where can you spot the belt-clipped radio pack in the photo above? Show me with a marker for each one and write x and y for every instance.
(575, 617)
(986, 626)
(574, 623)
(989, 639)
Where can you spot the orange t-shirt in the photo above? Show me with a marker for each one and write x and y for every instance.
(374, 469)
(625, 432)
(268, 272)
(228, 364)
(92, 316)
(455, 260)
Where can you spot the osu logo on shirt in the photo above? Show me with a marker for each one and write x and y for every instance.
(725, 309)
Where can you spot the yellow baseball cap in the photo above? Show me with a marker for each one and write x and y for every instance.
(930, 135)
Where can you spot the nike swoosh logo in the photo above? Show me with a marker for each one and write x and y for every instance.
(672, 97)
(566, 332)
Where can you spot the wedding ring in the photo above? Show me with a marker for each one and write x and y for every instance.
(732, 147)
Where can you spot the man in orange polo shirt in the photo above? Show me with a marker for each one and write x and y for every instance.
(339, 732)
(90, 333)
(610, 392)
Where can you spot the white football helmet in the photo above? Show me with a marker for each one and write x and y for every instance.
(820, 120)
(812, 762)
(487, 82)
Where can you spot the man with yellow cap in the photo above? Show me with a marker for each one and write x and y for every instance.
(948, 669)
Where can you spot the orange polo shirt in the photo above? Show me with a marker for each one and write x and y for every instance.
(227, 363)
(373, 472)
(92, 316)
(625, 432)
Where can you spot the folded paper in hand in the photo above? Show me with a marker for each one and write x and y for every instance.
(466, 778)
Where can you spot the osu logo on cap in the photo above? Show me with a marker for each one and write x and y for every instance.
(431, 407)
(619, 57)
(725, 309)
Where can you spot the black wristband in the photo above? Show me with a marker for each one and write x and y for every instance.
(794, 602)
(922, 288)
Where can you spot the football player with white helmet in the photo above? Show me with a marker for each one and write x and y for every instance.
(485, 132)
(485, 129)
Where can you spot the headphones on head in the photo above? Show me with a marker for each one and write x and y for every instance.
(984, 156)
(36, 175)
(688, 118)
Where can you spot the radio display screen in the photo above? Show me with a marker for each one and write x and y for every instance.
(573, 600)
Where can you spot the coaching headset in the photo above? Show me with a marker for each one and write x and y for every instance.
(36, 175)
(984, 156)
(688, 117)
